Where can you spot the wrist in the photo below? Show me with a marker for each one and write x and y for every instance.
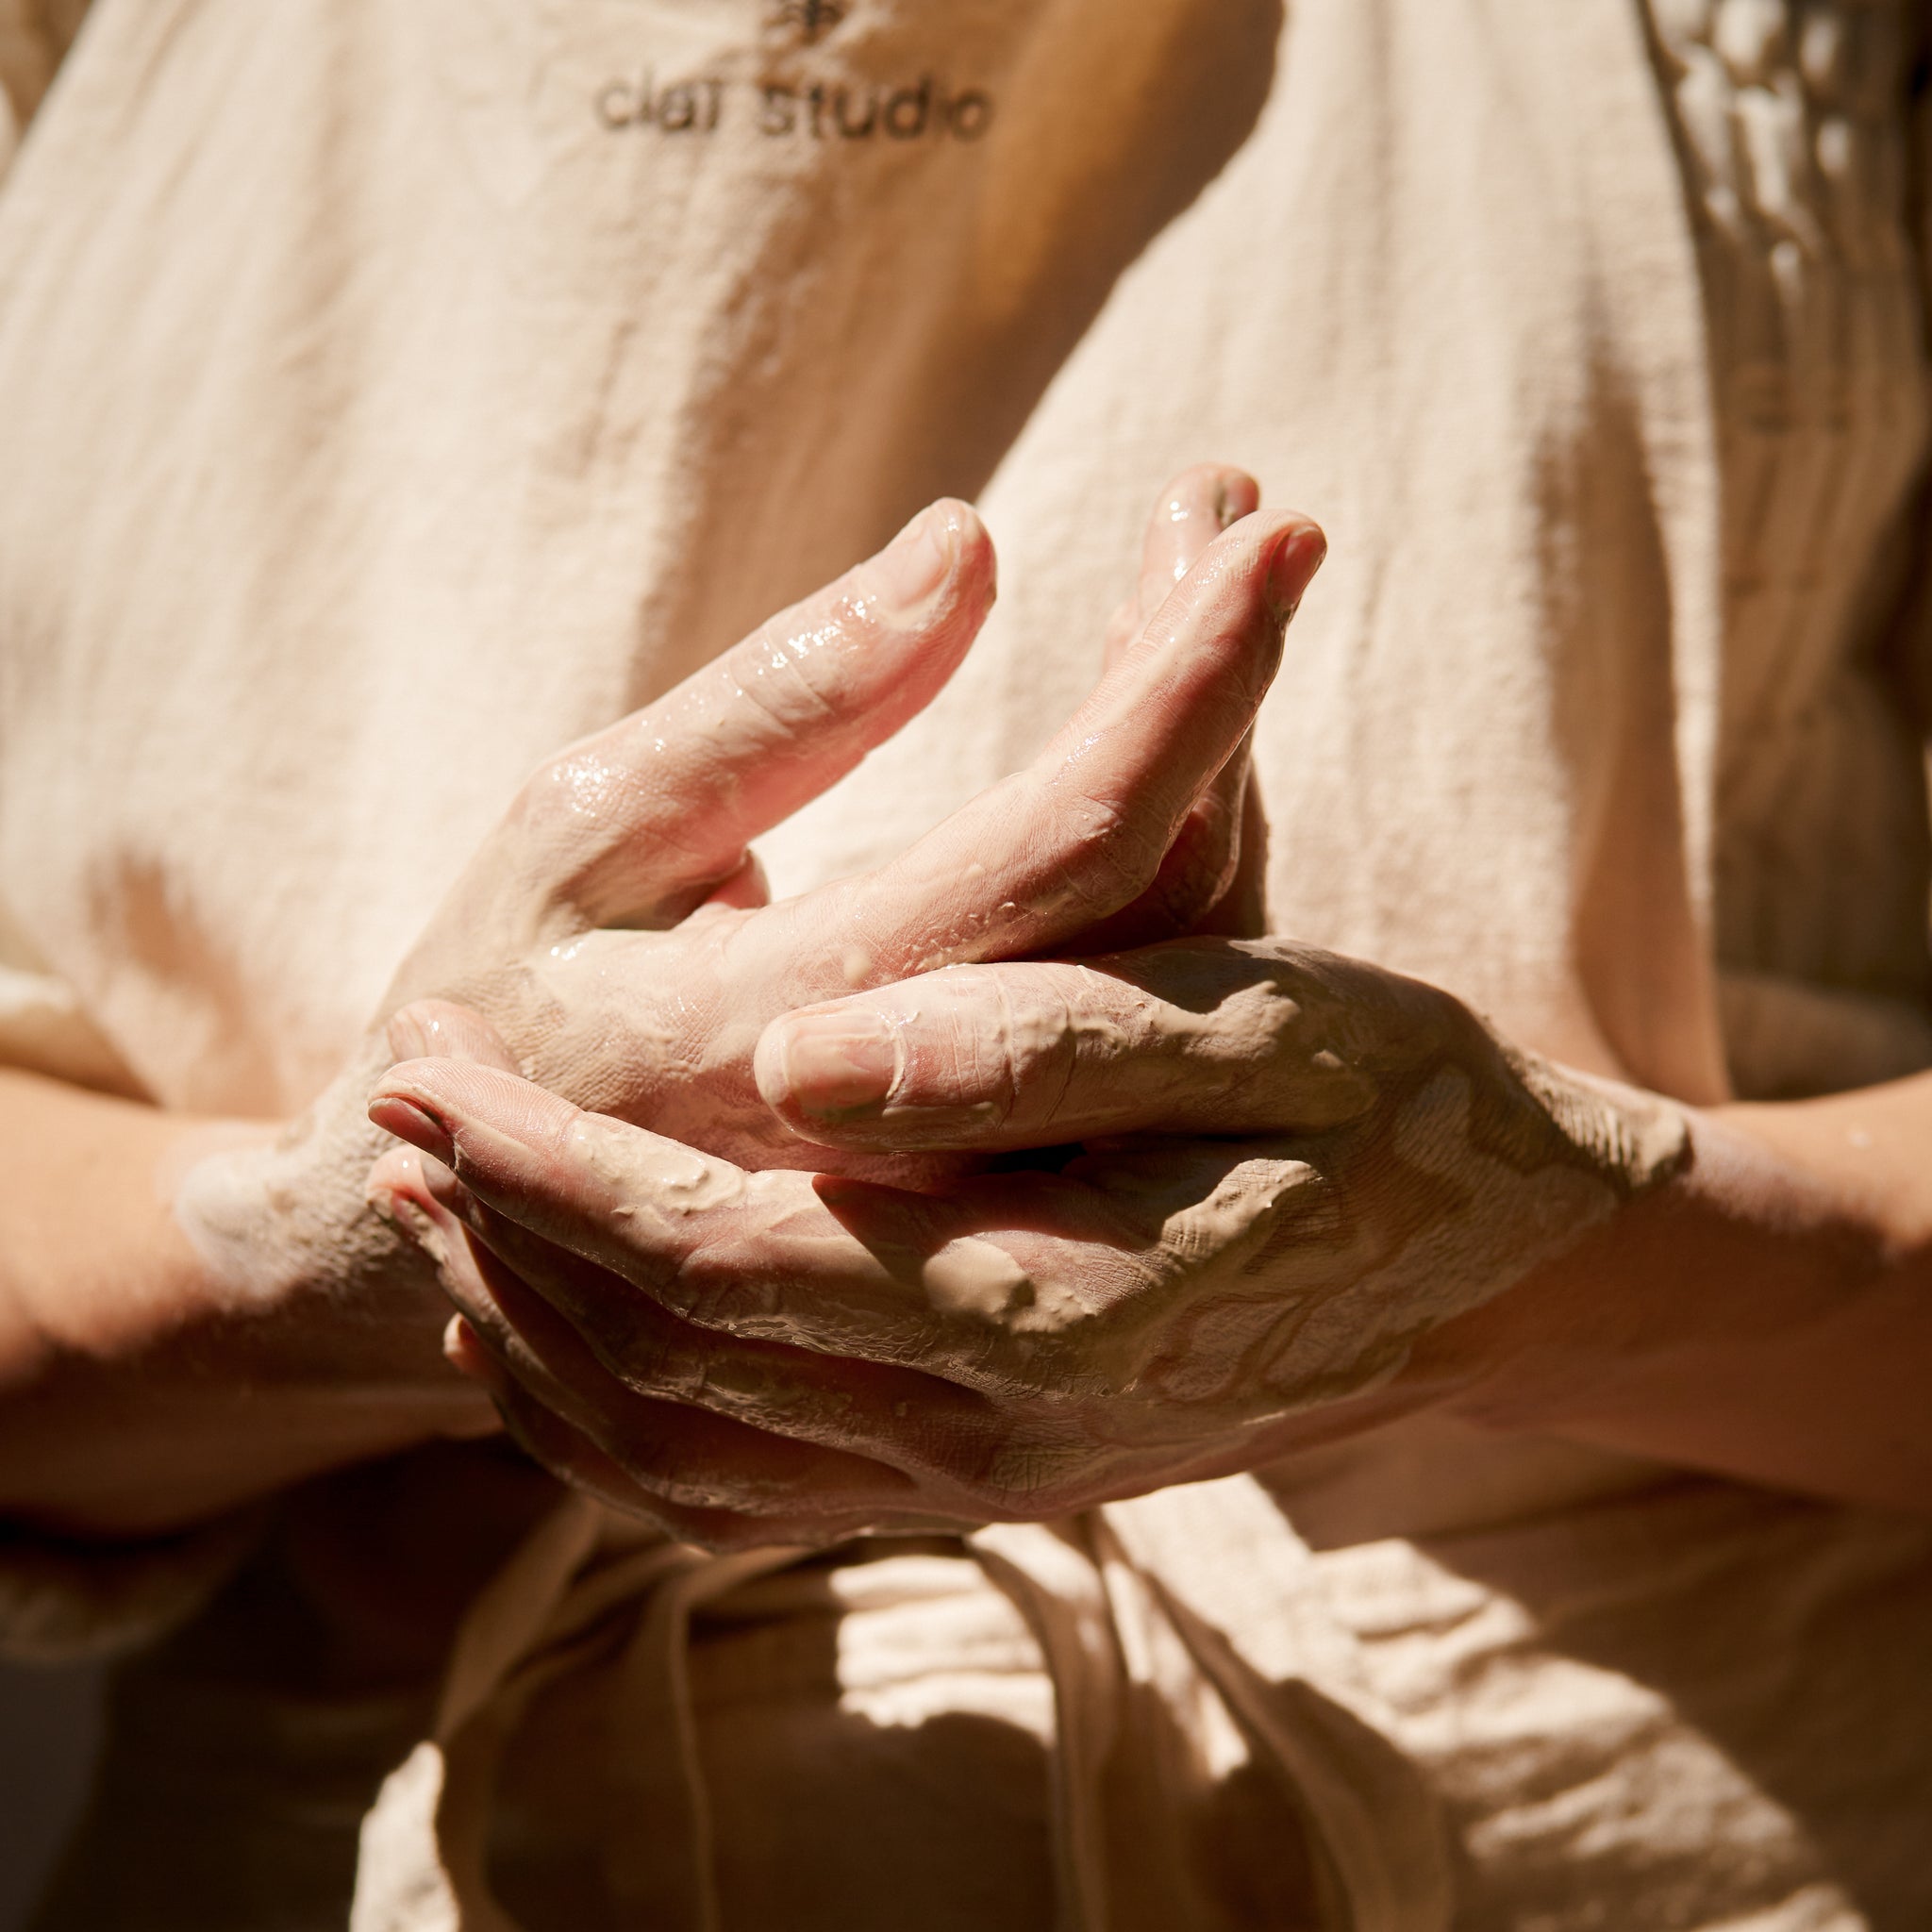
(313, 1301)
(1523, 1357)
(169, 1347)
(278, 1217)
(1731, 1318)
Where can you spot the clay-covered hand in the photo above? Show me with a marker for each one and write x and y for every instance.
(636, 985)
(639, 823)
(1271, 1172)
(609, 937)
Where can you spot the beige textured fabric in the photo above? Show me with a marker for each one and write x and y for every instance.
(1797, 157)
(395, 389)
(35, 35)
(1205, 1579)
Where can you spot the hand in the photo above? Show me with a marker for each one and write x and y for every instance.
(1286, 1169)
(1137, 820)
(638, 824)
(610, 940)
(1127, 823)
(252, 1323)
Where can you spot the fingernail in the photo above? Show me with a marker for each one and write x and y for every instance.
(410, 1220)
(1235, 495)
(458, 1339)
(407, 1037)
(414, 1124)
(836, 1062)
(1297, 557)
(442, 1185)
(462, 1347)
(919, 559)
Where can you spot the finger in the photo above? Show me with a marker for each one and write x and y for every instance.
(925, 1427)
(576, 1459)
(1206, 859)
(1203, 1036)
(623, 828)
(688, 1457)
(746, 890)
(1030, 865)
(429, 1029)
(393, 1184)
(988, 1287)
(568, 1454)
(1242, 909)
(683, 1452)
(440, 1029)
(1118, 1299)
(1194, 508)
(1199, 871)
(911, 1441)
(1050, 1291)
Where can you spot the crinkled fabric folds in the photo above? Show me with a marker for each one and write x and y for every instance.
(1180, 1638)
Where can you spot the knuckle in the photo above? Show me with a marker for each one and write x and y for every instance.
(1032, 1056)
(709, 1287)
(594, 819)
(791, 681)
(651, 1363)
(1108, 854)
(1028, 1477)
(576, 790)
(974, 1045)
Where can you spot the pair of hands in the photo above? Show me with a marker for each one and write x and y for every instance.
(876, 1208)
(609, 938)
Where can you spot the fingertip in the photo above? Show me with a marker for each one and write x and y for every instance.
(463, 1349)
(937, 569)
(1297, 554)
(440, 1029)
(977, 574)
(452, 1091)
(1198, 505)
(463, 1115)
(1229, 492)
(1237, 495)
(825, 1065)
(396, 1171)
(964, 521)
(417, 1194)
(409, 1118)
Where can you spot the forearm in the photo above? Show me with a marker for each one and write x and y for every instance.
(1768, 1314)
(141, 1388)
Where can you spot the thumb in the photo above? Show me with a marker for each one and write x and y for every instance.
(440, 1029)
(631, 828)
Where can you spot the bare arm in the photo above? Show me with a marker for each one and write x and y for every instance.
(149, 1375)
(193, 1313)
(1768, 1314)
(136, 1391)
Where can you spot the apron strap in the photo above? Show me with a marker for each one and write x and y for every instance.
(1243, 1591)
(656, 1766)
(1053, 1585)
